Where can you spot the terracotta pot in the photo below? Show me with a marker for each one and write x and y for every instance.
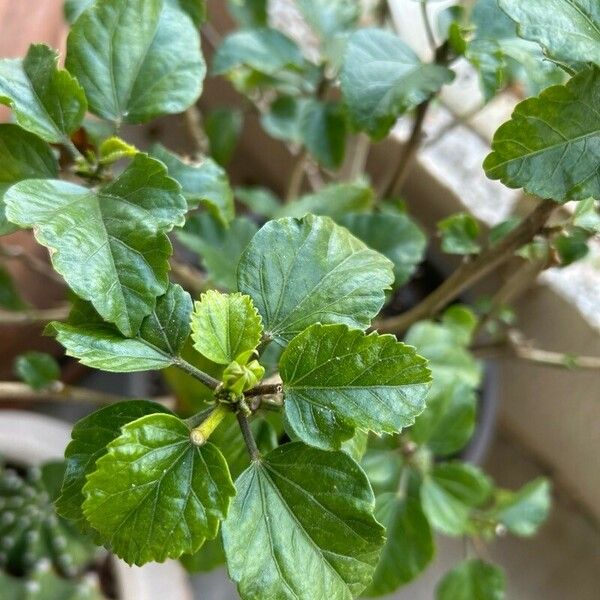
(28, 438)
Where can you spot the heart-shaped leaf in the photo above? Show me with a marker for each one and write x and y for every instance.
(303, 271)
(337, 379)
(154, 495)
(110, 245)
(302, 527)
(136, 59)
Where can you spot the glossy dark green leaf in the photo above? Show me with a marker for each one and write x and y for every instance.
(396, 236)
(337, 379)
(334, 200)
(459, 234)
(382, 78)
(472, 580)
(10, 299)
(205, 182)
(37, 369)
(548, 147)
(249, 13)
(136, 59)
(110, 244)
(567, 30)
(305, 516)
(219, 248)
(523, 512)
(101, 346)
(324, 130)
(22, 156)
(303, 271)
(44, 99)
(409, 545)
(89, 439)
(449, 494)
(154, 495)
(225, 326)
(223, 127)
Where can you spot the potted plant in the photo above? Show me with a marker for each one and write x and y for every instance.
(312, 456)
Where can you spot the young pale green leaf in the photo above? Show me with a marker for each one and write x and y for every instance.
(110, 244)
(396, 236)
(382, 78)
(334, 200)
(459, 234)
(101, 346)
(264, 50)
(324, 129)
(22, 156)
(224, 326)
(204, 182)
(44, 99)
(136, 59)
(449, 494)
(522, 512)
(548, 147)
(10, 298)
(472, 580)
(337, 379)
(89, 439)
(154, 495)
(304, 271)
(219, 248)
(223, 127)
(305, 516)
(567, 30)
(409, 545)
(587, 215)
(113, 149)
(37, 369)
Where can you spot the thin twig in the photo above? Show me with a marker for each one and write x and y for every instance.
(34, 263)
(34, 316)
(248, 437)
(471, 272)
(427, 25)
(193, 120)
(268, 389)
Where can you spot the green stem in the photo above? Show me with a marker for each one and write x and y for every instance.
(248, 437)
(72, 149)
(200, 434)
(205, 378)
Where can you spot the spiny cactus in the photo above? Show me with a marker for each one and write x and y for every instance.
(44, 584)
(30, 529)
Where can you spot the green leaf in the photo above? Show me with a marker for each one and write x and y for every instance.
(396, 236)
(223, 127)
(154, 495)
(334, 200)
(450, 492)
(409, 545)
(101, 346)
(571, 247)
(305, 516)
(109, 244)
(472, 580)
(383, 466)
(45, 100)
(548, 147)
(522, 512)
(567, 30)
(264, 50)
(282, 121)
(459, 234)
(89, 439)
(304, 271)
(37, 369)
(356, 446)
(209, 557)
(204, 182)
(382, 78)
(330, 17)
(587, 215)
(260, 200)
(136, 59)
(22, 156)
(337, 379)
(324, 129)
(219, 248)
(9, 295)
(249, 13)
(225, 326)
